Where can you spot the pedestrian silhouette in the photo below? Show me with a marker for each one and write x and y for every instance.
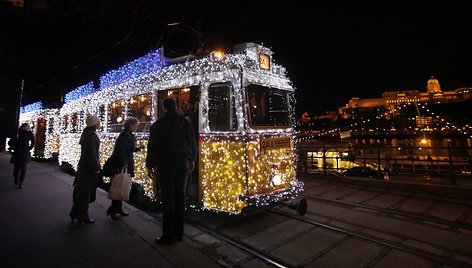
(171, 153)
(21, 147)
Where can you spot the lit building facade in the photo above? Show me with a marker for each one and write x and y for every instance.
(391, 99)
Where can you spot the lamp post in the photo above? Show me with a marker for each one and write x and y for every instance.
(18, 111)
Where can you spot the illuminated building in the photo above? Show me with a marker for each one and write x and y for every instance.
(391, 99)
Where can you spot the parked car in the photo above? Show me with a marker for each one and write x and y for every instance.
(365, 172)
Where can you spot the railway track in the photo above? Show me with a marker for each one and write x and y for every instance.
(390, 211)
(276, 262)
(259, 254)
(383, 242)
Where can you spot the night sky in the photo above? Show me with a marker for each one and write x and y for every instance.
(332, 52)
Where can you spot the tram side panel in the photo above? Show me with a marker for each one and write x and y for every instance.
(222, 173)
(270, 164)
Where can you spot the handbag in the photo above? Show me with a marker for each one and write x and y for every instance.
(120, 186)
(110, 168)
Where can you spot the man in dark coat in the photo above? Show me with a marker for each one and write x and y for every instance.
(21, 153)
(123, 156)
(172, 152)
(88, 171)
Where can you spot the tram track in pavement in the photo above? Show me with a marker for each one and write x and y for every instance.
(245, 247)
(427, 196)
(389, 211)
(274, 261)
(220, 231)
(376, 240)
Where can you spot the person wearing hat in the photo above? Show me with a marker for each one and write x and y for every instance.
(88, 171)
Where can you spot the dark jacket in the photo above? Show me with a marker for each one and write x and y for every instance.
(89, 163)
(22, 146)
(170, 138)
(125, 146)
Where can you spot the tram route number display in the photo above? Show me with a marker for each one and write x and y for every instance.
(274, 143)
(264, 61)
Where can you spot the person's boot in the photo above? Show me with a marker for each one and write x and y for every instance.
(112, 214)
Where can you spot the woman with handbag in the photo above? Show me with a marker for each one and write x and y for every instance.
(88, 171)
(125, 146)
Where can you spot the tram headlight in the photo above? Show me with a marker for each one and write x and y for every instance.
(276, 180)
(218, 55)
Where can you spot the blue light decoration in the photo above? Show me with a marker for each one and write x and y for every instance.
(151, 62)
(32, 107)
(80, 92)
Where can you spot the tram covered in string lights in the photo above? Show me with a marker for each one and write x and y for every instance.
(45, 125)
(241, 106)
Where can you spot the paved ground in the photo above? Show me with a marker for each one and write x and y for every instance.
(36, 230)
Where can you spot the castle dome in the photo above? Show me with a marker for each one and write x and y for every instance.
(433, 85)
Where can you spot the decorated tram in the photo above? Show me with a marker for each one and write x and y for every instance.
(241, 106)
(44, 124)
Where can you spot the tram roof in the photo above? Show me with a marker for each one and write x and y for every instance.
(143, 73)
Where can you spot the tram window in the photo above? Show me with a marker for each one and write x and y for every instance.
(74, 122)
(221, 109)
(116, 113)
(51, 125)
(65, 123)
(187, 102)
(268, 106)
(101, 115)
(140, 107)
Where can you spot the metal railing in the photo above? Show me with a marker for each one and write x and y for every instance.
(438, 161)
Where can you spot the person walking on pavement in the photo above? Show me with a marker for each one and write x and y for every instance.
(21, 146)
(172, 153)
(88, 171)
(125, 146)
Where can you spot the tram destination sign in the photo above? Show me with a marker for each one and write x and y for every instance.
(274, 143)
(264, 61)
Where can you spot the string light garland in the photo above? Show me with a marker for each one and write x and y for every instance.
(31, 107)
(233, 171)
(80, 92)
(151, 63)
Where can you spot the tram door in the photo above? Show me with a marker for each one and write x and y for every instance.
(187, 100)
(40, 137)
